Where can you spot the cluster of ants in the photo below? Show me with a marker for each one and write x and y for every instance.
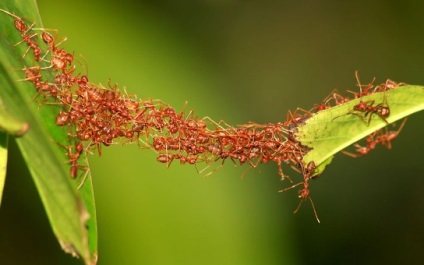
(97, 116)
(365, 111)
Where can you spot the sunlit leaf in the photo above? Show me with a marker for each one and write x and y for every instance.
(3, 161)
(330, 131)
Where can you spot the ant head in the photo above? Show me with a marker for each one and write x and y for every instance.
(47, 37)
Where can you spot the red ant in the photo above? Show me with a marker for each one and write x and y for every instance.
(293, 119)
(336, 97)
(22, 28)
(60, 58)
(363, 109)
(32, 74)
(381, 109)
(389, 84)
(165, 158)
(280, 168)
(73, 161)
(73, 156)
(191, 159)
(62, 118)
(389, 136)
(376, 138)
(43, 87)
(368, 108)
(325, 104)
(363, 89)
(304, 193)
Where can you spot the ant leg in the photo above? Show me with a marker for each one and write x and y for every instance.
(280, 172)
(363, 89)
(313, 208)
(213, 171)
(295, 117)
(325, 103)
(350, 154)
(217, 124)
(86, 172)
(245, 172)
(304, 194)
(389, 136)
(368, 122)
(291, 187)
(31, 74)
(361, 116)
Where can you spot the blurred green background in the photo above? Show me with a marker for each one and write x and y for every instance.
(238, 61)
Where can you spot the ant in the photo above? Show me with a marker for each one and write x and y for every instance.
(373, 140)
(59, 58)
(165, 158)
(389, 136)
(294, 119)
(28, 39)
(32, 74)
(335, 97)
(280, 168)
(73, 156)
(304, 193)
(368, 108)
(363, 89)
(364, 109)
(389, 84)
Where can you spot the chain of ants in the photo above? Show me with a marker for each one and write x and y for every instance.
(97, 116)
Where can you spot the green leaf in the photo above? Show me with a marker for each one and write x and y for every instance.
(331, 130)
(12, 125)
(71, 211)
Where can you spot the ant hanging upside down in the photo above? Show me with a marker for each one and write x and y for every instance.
(382, 137)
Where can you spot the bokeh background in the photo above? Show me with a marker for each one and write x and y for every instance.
(238, 61)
